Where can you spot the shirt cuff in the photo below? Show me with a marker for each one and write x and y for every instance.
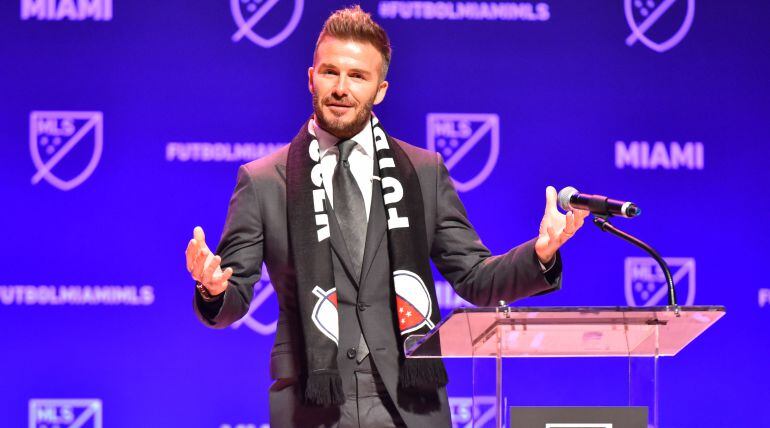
(544, 268)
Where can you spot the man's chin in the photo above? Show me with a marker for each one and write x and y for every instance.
(339, 127)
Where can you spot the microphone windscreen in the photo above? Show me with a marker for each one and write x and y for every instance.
(564, 196)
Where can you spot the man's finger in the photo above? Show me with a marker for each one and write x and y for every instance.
(197, 269)
(223, 277)
(551, 235)
(580, 216)
(211, 267)
(227, 274)
(569, 223)
(192, 249)
(543, 223)
(206, 264)
(200, 236)
(550, 199)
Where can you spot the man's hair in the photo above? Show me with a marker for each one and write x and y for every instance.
(352, 23)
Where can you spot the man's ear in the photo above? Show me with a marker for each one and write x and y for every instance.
(310, 86)
(382, 89)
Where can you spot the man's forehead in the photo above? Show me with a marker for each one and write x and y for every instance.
(351, 49)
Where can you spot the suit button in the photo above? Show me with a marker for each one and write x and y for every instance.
(362, 307)
(352, 353)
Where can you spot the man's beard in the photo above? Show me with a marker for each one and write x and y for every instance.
(335, 125)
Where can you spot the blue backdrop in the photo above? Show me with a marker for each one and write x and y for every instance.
(123, 124)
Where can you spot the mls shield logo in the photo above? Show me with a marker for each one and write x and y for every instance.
(325, 315)
(667, 21)
(412, 301)
(645, 284)
(65, 146)
(261, 317)
(473, 412)
(249, 14)
(471, 138)
(65, 413)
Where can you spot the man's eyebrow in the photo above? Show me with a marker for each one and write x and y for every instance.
(360, 71)
(352, 70)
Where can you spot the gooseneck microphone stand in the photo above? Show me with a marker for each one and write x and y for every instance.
(603, 222)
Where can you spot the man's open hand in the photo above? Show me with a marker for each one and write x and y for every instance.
(555, 227)
(203, 265)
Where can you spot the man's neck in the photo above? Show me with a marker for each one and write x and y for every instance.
(328, 139)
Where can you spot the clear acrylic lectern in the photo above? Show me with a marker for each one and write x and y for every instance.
(641, 334)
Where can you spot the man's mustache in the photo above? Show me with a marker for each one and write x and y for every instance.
(335, 102)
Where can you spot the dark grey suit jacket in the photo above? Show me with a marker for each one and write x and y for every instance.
(256, 231)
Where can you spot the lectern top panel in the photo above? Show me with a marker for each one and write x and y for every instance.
(564, 331)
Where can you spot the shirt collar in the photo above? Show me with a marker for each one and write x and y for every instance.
(326, 140)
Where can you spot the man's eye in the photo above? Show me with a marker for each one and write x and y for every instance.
(329, 72)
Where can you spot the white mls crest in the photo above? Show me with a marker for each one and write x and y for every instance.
(453, 136)
(72, 413)
(256, 12)
(651, 11)
(645, 284)
(57, 133)
(469, 412)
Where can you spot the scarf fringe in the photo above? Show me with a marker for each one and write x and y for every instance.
(324, 389)
(422, 374)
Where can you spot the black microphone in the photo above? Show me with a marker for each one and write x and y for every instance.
(570, 198)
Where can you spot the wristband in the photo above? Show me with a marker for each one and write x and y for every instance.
(203, 290)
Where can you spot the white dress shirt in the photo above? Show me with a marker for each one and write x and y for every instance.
(361, 160)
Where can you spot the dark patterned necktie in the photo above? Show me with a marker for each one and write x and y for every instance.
(349, 206)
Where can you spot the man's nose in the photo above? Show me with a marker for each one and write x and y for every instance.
(341, 88)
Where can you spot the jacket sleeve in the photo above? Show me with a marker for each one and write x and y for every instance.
(477, 275)
(241, 248)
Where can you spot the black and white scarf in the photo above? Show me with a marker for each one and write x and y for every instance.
(412, 281)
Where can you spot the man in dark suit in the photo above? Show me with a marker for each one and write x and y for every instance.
(356, 213)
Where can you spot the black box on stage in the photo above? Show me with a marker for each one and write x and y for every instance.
(578, 417)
